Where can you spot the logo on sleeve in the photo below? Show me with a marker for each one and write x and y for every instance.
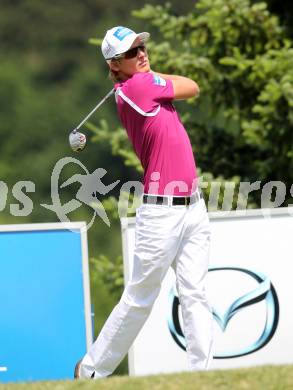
(159, 81)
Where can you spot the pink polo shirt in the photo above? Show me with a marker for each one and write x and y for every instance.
(159, 139)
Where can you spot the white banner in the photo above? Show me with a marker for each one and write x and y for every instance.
(249, 287)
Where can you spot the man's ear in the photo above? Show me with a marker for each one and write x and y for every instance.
(114, 65)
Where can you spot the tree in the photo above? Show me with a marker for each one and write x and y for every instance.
(242, 124)
(284, 9)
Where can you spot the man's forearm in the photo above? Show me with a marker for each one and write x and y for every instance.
(169, 76)
(184, 87)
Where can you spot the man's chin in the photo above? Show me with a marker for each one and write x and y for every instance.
(144, 68)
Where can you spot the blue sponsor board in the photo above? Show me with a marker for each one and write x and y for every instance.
(44, 297)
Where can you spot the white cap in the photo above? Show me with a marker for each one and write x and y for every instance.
(119, 39)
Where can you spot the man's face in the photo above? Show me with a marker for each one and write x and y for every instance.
(133, 61)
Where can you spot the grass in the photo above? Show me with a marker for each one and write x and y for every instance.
(257, 378)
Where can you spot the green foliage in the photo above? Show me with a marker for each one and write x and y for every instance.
(223, 194)
(242, 60)
(118, 141)
(111, 273)
(284, 9)
(239, 54)
(270, 125)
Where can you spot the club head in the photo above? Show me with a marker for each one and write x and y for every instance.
(77, 141)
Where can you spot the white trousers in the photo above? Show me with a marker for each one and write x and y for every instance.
(165, 236)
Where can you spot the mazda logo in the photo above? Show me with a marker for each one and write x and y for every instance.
(264, 292)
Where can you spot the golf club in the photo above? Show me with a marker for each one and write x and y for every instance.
(77, 140)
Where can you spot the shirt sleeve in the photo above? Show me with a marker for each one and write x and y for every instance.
(148, 90)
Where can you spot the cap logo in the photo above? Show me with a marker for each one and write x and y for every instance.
(122, 32)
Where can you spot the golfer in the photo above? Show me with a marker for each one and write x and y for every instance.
(172, 226)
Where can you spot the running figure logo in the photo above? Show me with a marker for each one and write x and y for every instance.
(91, 187)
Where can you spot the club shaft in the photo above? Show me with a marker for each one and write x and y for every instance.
(95, 108)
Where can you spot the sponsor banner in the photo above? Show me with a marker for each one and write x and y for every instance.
(250, 290)
(45, 316)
